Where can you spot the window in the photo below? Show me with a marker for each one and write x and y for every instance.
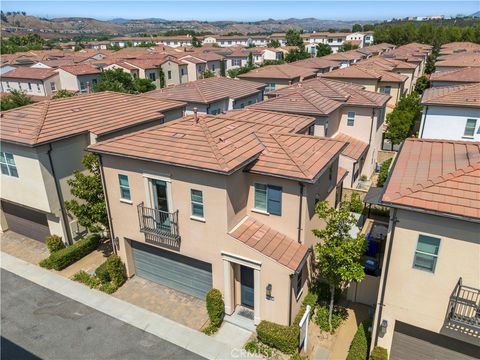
(8, 85)
(182, 71)
(30, 86)
(426, 253)
(236, 62)
(270, 87)
(152, 76)
(124, 187)
(213, 67)
(214, 112)
(299, 282)
(197, 203)
(470, 127)
(169, 75)
(268, 198)
(38, 87)
(330, 173)
(7, 163)
(52, 86)
(387, 90)
(94, 81)
(350, 118)
(82, 86)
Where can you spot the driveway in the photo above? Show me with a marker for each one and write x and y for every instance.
(22, 247)
(182, 308)
(40, 323)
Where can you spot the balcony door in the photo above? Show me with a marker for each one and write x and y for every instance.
(160, 202)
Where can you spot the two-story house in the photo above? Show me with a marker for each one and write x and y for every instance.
(428, 304)
(36, 82)
(174, 71)
(462, 76)
(451, 112)
(43, 144)
(79, 78)
(219, 201)
(318, 64)
(198, 63)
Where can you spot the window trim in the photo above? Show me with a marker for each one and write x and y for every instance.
(470, 136)
(192, 202)
(267, 190)
(124, 187)
(435, 256)
(9, 166)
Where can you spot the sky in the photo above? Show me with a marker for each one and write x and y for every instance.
(242, 10)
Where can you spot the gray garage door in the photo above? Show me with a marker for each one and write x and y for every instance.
(175, 271)
(27, 222)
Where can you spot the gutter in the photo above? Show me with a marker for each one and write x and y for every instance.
(60, 197)
(107, 203)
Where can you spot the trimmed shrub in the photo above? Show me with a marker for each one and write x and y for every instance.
(298, 357)
(379, 353)
(339, 315)
(116, 270)
(360, 343)
(108, 277)
(215, 307)
(356, 204)
(102, 273)
(62, 258)
(85, 278)
(256, 347)
(54, 243)
(383, 174)
(281, 337)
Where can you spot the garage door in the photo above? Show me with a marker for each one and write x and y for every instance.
(175, 271)
(412, 343)
(27, 222)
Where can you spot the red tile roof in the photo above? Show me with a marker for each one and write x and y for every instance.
(437, 175)
(341, 174)
(83, 69)
(355, 148)
(99, 113)
(316, 63)
(468, 59)
(461, 96)
(29, 73)
(284, 71)
(360, 72)
(270, 242)
(463, 75)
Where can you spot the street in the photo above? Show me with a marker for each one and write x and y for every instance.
(39, 323)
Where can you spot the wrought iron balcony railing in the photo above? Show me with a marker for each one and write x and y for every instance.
(157, 223)
(464, 306)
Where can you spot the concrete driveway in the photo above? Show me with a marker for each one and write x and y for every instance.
(40, 323)
(182, 308)
(22, 247)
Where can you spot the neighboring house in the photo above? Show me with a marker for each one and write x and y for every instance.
(319, 65)
(198, 63)
(275, 54)
(38, 82)
(43, 144)
(451, 113)
(126, 67)
(79, 78)
(342, 111)
(458, 61)
(174, 71)
(461, 76)
(213, 95)
(222, 202)
(278, 76)
(429, 298)
(347, 58)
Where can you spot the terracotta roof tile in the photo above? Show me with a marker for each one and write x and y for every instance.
(461, 95)
(29, 73)
(463, 75)
(361, 72)
(270, 242)
(284, 71)
(355, 148)
(468, 59)
(84, 69)
(316, 63)
(437, 175)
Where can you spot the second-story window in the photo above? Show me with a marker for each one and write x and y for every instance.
(30, 86)
(270, 87)
(52, 86)
(7, 163)
(387, 90)
(169, 75)
(124, 187)
(268, 198)
(197, 203)
(470, 127)
(350, 118)
(426, 253)
(152, 76)
(38, 87)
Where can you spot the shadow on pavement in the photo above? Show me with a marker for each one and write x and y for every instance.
(11, 351)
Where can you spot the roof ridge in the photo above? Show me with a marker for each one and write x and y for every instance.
(216, 151)
(195, 85)
(38, 129)
(292, 156)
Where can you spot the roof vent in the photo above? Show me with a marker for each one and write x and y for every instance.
(76, 109)
(178, 135)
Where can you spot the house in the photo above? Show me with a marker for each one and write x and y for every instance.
(38, 82)
(174, 71)
(274, 54)
(318, 64)
(462, 76)
(458, 61)
(451, 113)
(342, 111)
(429, 297)
(221, 202)
(278, 76)
(346, 58)
(79, 78)
(212, 95)
(126, 67)
(43, 144)
(198, 63)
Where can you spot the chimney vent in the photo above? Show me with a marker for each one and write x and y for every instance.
(88, 87)
(195, 114)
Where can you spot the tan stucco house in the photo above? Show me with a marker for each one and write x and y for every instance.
(223, 201)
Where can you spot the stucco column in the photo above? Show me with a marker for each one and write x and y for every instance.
(256, 296)
(227, 286)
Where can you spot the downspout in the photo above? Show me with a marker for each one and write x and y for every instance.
(393, 222)
(300, 213)
(423, 122)
(107, 203)
(60, 196)
(290, 300)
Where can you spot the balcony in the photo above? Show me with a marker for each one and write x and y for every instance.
(160, 227)
(464, 306)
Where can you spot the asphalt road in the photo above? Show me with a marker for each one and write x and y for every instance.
(40, 323)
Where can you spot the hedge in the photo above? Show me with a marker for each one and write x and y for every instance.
(62, 258)
(54, 243)
(379, 353)
(360, 343)
(108, 277)
(338, 316)
(383, 174)
(215, 307)
(281, 337)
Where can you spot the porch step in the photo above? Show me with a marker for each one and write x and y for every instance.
(242, 318)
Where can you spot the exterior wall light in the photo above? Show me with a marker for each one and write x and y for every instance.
(269, 291)
(383, 327)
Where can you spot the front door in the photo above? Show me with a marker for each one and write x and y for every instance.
(160, 202)
(247, 290)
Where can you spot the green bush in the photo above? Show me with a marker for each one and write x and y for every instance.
(87, 279)
(356, 204)
(210, 329)
(215, 307)
(102, 273)
(360, 343)
(322, 290)
(298, 357)
(339, 315)
(116, 270)
(256, 347)
(383, 174)
(108, 277)
(281, 337)
(62, 258)
(54, 243)
(379, 353)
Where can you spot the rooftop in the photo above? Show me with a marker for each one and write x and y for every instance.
(284, 71)
(463, 75)
(461, 95)
(29, 73)
(355, 148)
(83, 69)
(361, 72)
(437, 175)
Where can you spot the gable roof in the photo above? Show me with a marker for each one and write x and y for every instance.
(284, 71)
(355, 148)
(461, 95)
(467, 74)
(81, 69)
(29, 73)
(208, 90)
(99, 113)
(437, 175)
(316, 63)
(360, 72)
(468, 59)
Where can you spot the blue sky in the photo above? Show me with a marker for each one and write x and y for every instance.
(243, 10)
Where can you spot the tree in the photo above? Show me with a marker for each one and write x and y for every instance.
(63, 94)
(368, 27)
(196, 42)
(207, 74)
(222, 68)
(347, 46)
(293, 38)
(274, 43)
(357, 28)
(338, 253)
(119, 81)
(143, 85)
(402, 120)
(90, 208)
(323, 50)
(430, 63)
(14, 99)
(250, 60)
(297, 54)
(161, 77)
(422, 84)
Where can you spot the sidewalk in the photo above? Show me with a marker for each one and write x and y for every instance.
(148, 321)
